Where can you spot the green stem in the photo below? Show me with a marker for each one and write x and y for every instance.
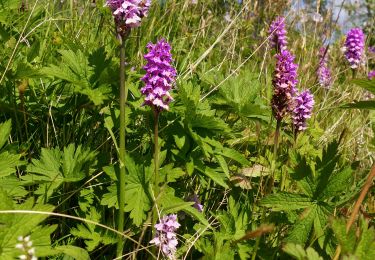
(156, 169)
(156, 151)
(121, 194)
(269, 183)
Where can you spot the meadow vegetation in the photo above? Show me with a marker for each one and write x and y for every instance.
(186, 130)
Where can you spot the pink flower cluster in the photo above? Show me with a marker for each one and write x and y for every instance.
(304, 103)
(160, 75)
(354, 47)
(277, 31)
(165, 236)
(284, 84)
(128, 13)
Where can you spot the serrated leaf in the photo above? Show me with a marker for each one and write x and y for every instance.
(337, 184)
(305, 179)
(138, 200)
(286, 201)
(5, 129)
(170, 173)
(366, 244)
(109, 199)
(302, 228)
(346, 240)
(74, 251)
(8, 163)
(298, 252)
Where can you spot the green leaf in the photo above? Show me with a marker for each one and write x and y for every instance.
(346, 240)
(337, 184)
(366, 104)
(298, 252)
(223, 164)
(286, 201)
(136, 190)
(5, 129)
(74, 251)
(68, 166)
(366, 244)
(365, 83)
(8, 162)
(109, 199)
(170, 174)
(304, 176)
(325, 166)
(172, 204)
(217, 177)
(302, 228)
(234, 155)
(13, 186)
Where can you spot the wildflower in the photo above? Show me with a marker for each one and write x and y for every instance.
(197, 204)
(278, 34)
(304, 103)
(371, 74)
(160, 75)
(324, 73)
(25, 246)
(128, 13)
(284, 84)
(354, 46)
(165, 236)
(371, 49)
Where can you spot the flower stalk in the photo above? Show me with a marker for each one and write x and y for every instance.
(121, 186)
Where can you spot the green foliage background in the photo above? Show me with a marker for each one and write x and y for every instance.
(59, 122)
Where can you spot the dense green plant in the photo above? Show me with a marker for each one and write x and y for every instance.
(237, 191)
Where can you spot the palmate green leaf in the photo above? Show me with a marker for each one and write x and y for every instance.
(298, 252)
(73, 251)
(209, 123)
(54, 165)
(323, 212)
(366, 244)
(75, 69)
(325, 167)
(8, 163)
(286, 201)
(346, 240)
(92, 234)
(13, 186)
(304, 177)
(170, 173)
(109, 199)
(302, 228)
(138, 200)
(5, 129)
(47, 168)
(74, 160)
(15, 225)
(337, 184)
